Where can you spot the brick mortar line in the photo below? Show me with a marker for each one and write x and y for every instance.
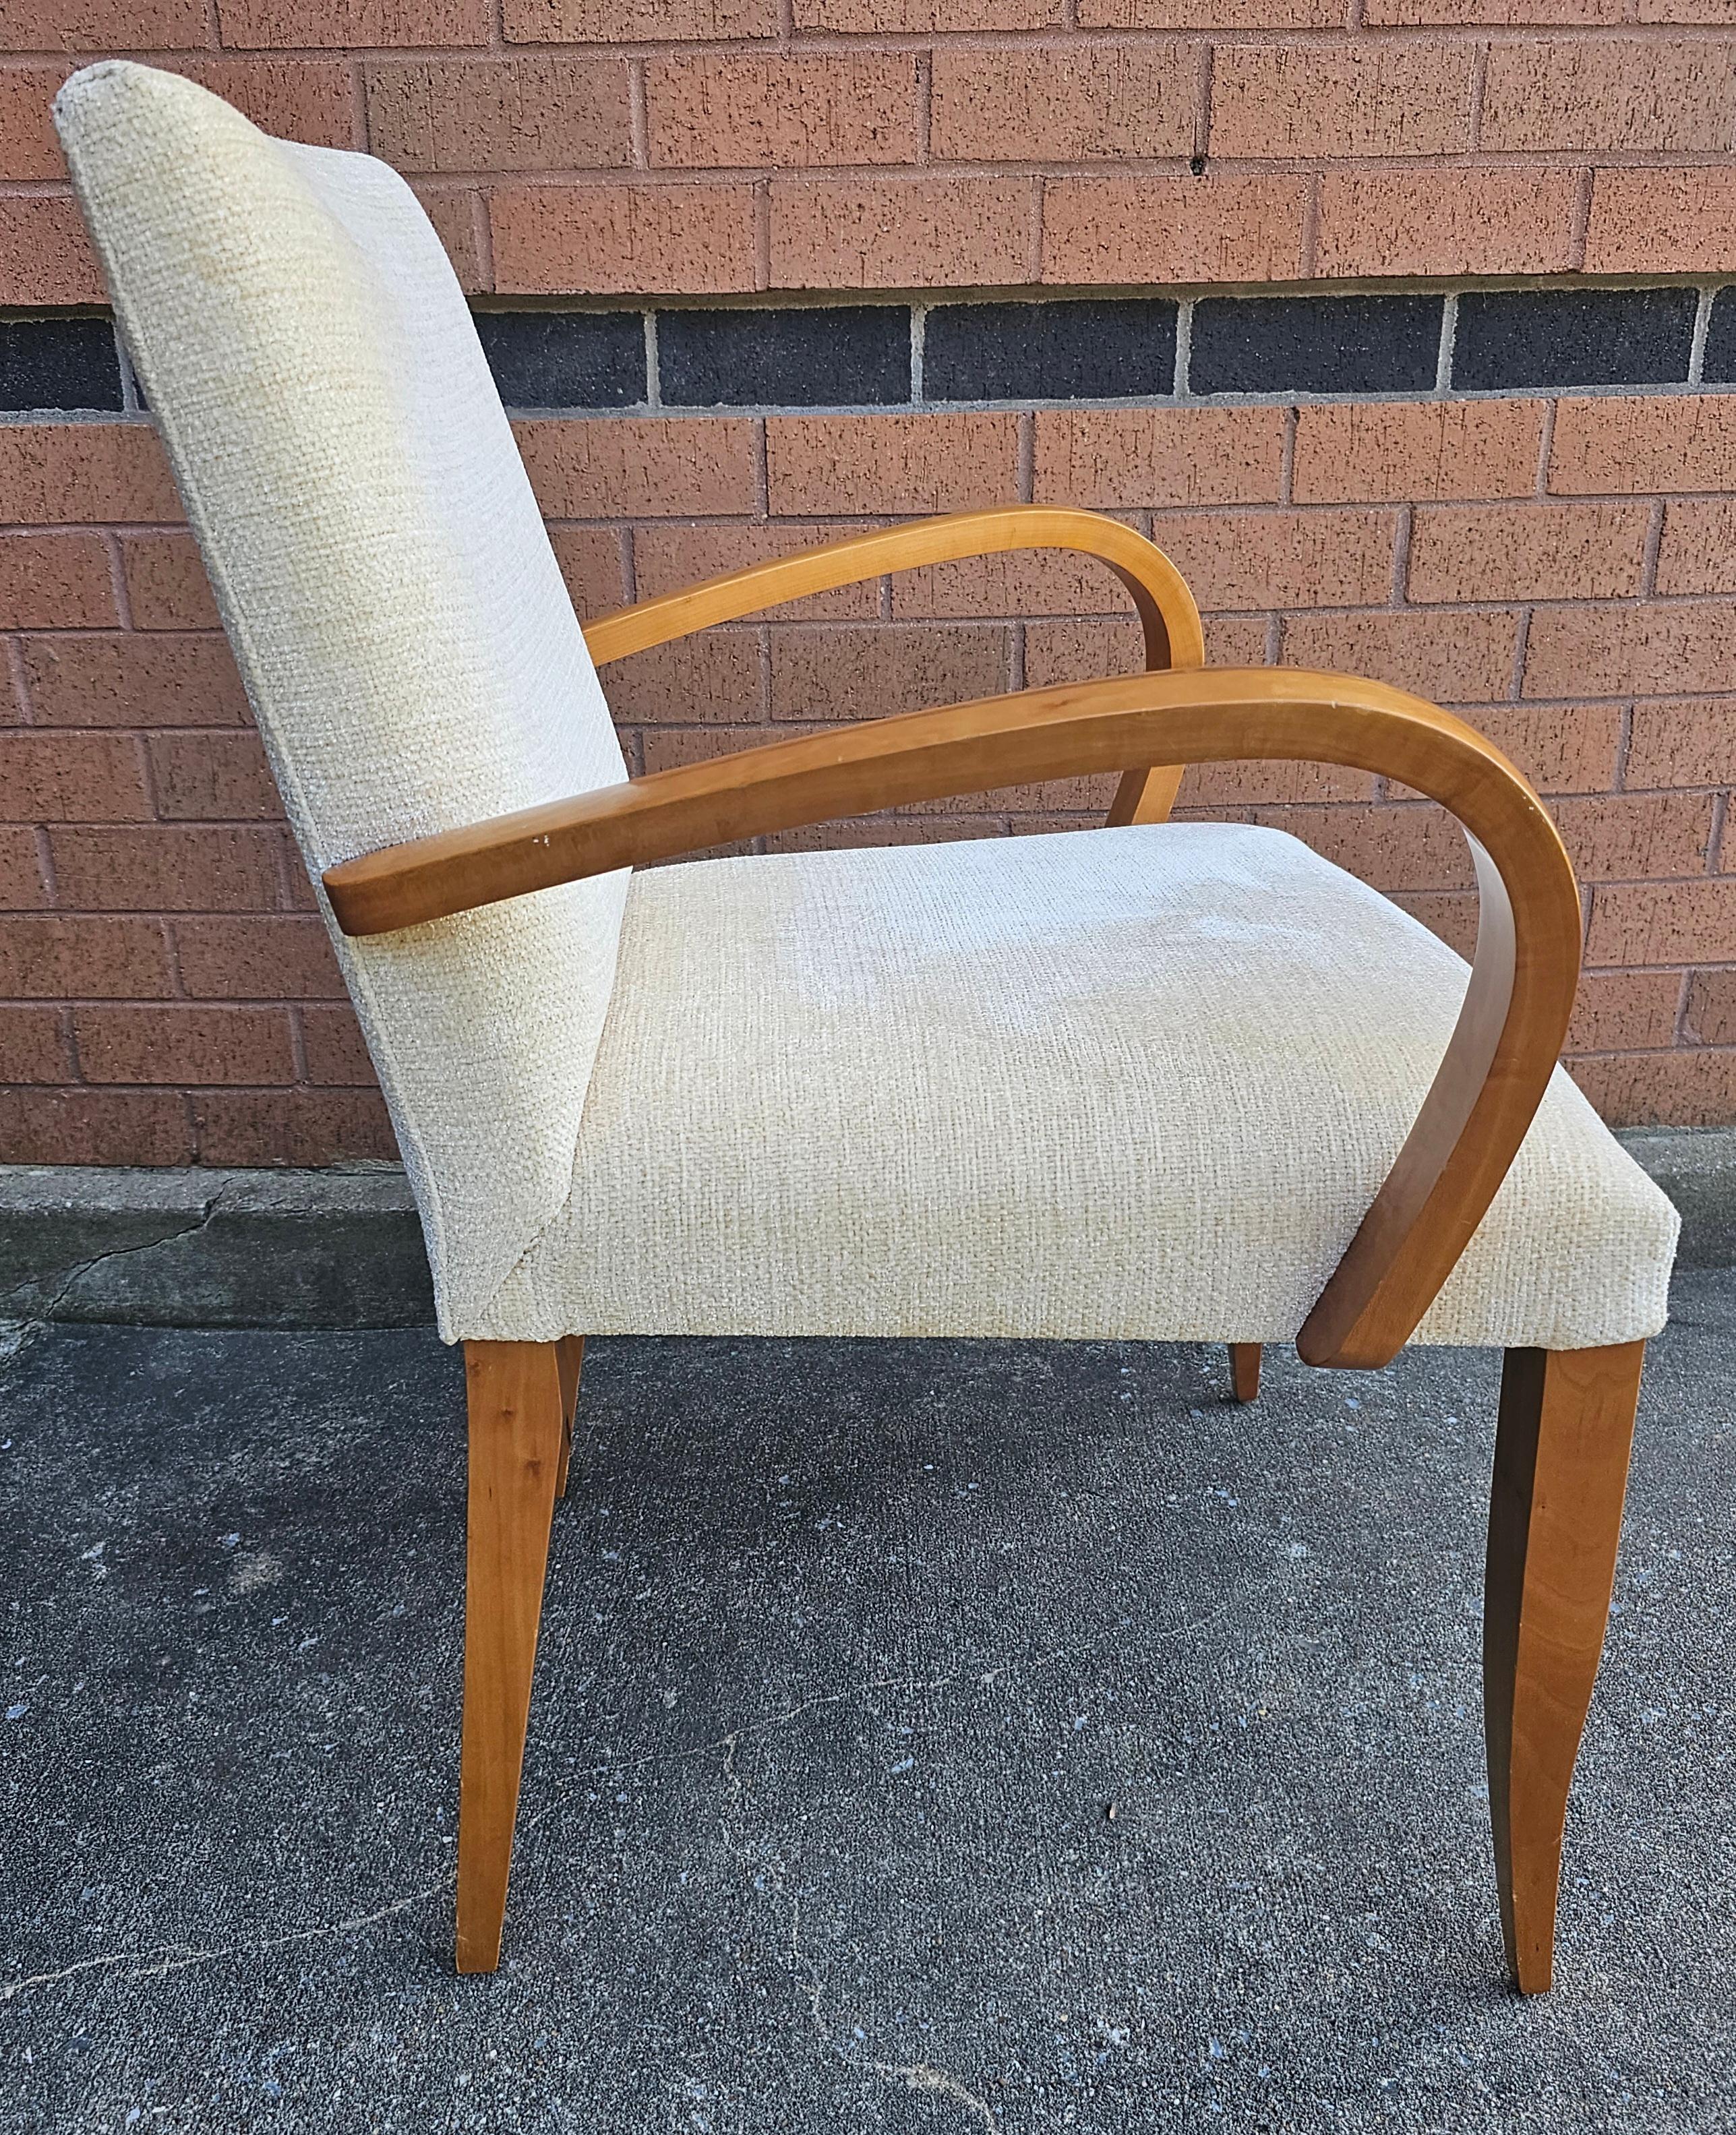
(1291, 397)
(1564, 160)
(785, 43)
(1320, 288)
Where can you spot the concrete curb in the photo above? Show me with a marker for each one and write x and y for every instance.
(194, 1248)
(197, 1248)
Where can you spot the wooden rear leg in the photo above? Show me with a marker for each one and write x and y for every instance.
(516, 1421)
(1555, 1516)
(569, 1359)
(1145, 796)
(1244, 1370)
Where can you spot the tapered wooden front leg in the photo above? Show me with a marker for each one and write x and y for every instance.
(1244, 1370)
(1554, 1516)
(570, 1358)
(515, 1406)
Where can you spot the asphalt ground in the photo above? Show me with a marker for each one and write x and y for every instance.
(849, 1653)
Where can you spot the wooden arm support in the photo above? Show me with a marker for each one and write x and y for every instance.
(1166, 611)
(1510, 1030)
(1168, 619)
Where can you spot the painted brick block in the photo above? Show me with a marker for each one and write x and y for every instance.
(1458, 221)
(1634, 446)
(167, 588)
(855, 672)
(1417, 451)
(65, 474)
(1373, 98)
(1062, 103)
(890, 464)
(634, 240)
(55, 582)
(726, 112)
(518, 115)
(1573, 93)
(63, 958)
(1458, 656)
(642, 467)
(162, 679)
(895, 233)
(1122, 458)
(1227, 227)
(1478, 552)
(1662, 220)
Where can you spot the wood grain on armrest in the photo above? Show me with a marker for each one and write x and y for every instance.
(1169, 620)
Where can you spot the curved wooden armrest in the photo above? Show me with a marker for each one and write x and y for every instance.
(1168, 618)
(1509, 1032)
(1166, 611)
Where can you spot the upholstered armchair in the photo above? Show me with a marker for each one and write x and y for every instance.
(1158, 1081)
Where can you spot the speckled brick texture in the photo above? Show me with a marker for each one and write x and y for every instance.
(1555, 563)
(598, 147)
(1545, 566)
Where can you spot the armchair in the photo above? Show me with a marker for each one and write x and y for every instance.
(1132, 1084)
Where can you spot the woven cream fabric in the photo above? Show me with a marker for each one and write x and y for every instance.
(410, 650)
(1135, 1083)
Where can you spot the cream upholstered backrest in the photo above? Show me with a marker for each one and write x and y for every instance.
(399, 619)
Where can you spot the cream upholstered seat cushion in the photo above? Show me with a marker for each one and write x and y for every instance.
(1132, 1083)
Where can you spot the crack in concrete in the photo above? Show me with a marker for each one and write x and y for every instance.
(914, 2075)
(40, 1316)
(161, 1958)
(166, 1958)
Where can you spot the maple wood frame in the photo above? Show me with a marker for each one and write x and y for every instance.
(1566, 1416)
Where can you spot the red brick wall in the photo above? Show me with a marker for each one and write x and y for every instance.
(675, 146)
(1560, 567)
